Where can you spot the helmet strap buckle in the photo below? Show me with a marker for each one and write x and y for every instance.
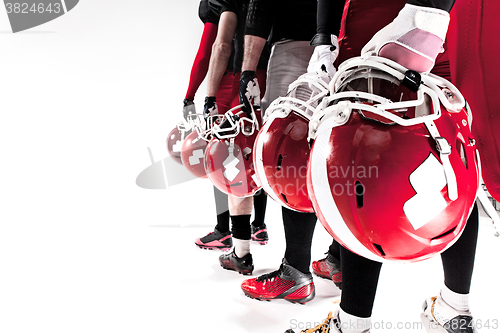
(412, 80)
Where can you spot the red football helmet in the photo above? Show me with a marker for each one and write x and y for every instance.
(228, 158)
(282, 148)
(393, 171)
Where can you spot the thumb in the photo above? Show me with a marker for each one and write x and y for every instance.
(372, 45)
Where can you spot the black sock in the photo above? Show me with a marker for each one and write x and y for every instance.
(458, 260)
(359, 283)
(241, 226)
(299, 230)
(222, 209)
(334, 249)
(259, 205)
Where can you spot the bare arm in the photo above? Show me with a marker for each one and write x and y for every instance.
(253, 48)
(221, 51)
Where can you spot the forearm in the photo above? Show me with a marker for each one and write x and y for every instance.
(218, 64)
(253, 48)
(221, 51)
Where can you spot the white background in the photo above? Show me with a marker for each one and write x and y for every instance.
(83, 248)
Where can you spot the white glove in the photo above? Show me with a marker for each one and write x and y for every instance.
(249, 92)
(323, 58)
(414, 39)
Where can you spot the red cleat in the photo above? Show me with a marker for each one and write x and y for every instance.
(328, 268)
(286, 283)
(259, 234)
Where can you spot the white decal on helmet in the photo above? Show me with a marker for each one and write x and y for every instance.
(176, 148)
(197, 156)
(427, 180)
(230, 165)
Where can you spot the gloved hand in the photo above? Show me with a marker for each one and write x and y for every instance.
(210, 107)
(249, 92)
(324, 55)
(413, 39)
(188, 108)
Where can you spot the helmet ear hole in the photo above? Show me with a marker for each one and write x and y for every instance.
(359, 191)
(463, 155)
(280, 161)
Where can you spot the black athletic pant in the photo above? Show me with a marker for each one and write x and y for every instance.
(334, 249)
(458, 260)
(259, 207)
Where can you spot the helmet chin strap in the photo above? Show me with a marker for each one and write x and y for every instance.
(444, 149)
(253, 121)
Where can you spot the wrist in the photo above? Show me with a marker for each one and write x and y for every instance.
(247, 74)
(209, 100)
(323, 39)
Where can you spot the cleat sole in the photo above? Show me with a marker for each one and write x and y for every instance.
(322, 276)
(431, 326)
(301, 301)
(245, 272)
(224, 249)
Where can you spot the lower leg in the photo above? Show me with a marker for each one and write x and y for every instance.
(260, 203)
(222, 210)
(334, 249)
(458, 265)
(299, 230)
(359, 283)
(240, 209)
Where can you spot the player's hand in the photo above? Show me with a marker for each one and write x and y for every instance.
(210, 107)
(414, 39)
(249, 92)
(188, 108)
(325, 53)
